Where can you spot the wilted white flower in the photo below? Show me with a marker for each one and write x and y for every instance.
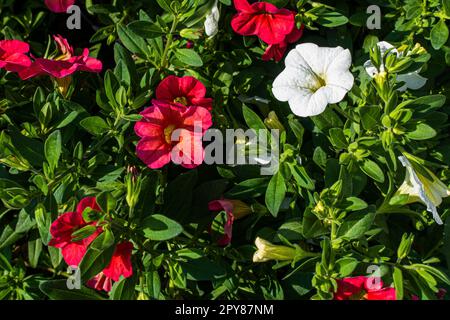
(412, 80)
(313, 78)
(212, 21)
(422, 185)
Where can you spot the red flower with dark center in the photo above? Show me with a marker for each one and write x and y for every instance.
(264, 20)
(363, 288)
(64, 65)
(161, 122)
(66, 224)
(59, 6)
(185, 91)
(276, 51)
(13, 55)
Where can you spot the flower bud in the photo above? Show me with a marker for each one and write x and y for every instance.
(272, 122)
(240, 209)
(268, 251)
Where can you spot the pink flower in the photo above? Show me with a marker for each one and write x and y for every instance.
(363, 288)
(264, 20)
(64, 65)
(66, 224)
(59, 6)
(234, 209)
(120, 265)
(13, 55)
(185, 91)
(276, 51)
(161, 122)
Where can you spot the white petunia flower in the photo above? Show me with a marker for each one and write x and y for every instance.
(412, 80)
(313, 78)
(212, 21)
(422, 185)
(268, 251)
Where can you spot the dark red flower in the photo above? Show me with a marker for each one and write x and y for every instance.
(120, 265)
(13, 55)
(64, 65)
(264, 20)
(66, 224)
(185, 91)
(59, 6)
(276, 51)
(363, 288)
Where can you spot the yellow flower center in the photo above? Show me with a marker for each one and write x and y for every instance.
(168, 133)
(181, 100)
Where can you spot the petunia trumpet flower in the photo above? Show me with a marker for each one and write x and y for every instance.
(183, 91)
(313, 78)
(59, 6)
(170, 132)
(63, 228)
(363, 288)
(63, 65)
(421, 185)
(13, 55)
(212, 21)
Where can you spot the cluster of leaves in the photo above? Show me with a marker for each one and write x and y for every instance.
(337, 202)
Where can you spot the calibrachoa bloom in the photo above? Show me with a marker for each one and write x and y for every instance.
(276, 51)
(264, 20)
(120, 265)
(183, 91)
(13, 55)
(421, 185)
(412, 80)
(212, 21)
(64, 65)
(162, 121)
(363, 288)
(313, 78)
(66, 224)
(234, 209)
(59, 6)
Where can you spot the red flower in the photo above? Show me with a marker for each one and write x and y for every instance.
(66, 224)
(264, 20)
(120, 265)
(157, 129)
(185, 91)
(276, 51)
(13, 55)
(234, 209)
(59, 6)
(64, 65)
(227, 206)
(363, 288)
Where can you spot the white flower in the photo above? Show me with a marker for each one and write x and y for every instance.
(268, 251)
(212, 21)
(422, 185)
(313, 78)
(412, 80)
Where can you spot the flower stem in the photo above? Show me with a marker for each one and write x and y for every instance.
(164, 60)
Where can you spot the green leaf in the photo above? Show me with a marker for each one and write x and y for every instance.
(124, 289)
(373, 170)
(31, 149)
(165, 4)
(355, 204)
(189, 57)
(153, 284)
(398, 283)
(52, 148)
(177, 205)
(337, 138)
(331, 19)
(446, 5)
(94, 261)
(160, 228)
(145, 29)
(252, 119)
(439, 34)
(198, 267)
(301, 177)
(275, 193)
(346, 266)
(94, 125)
(356, 225)
(57, 290)
(132, 41)
(422, 131)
